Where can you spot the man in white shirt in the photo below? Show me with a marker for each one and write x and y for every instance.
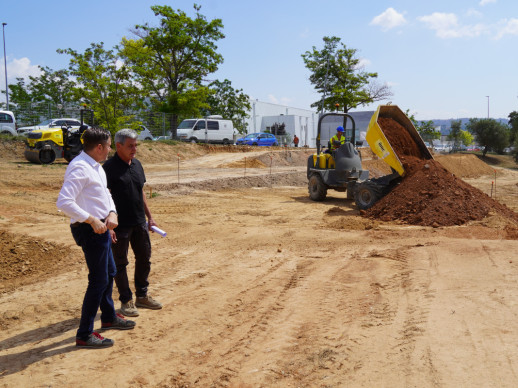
(85, 198)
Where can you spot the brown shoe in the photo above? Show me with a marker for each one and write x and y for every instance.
(128, 309)
(148, 302)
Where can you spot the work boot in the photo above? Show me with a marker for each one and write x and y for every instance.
(128, 309)
(118, 323)
(94, 341)
(148, 302)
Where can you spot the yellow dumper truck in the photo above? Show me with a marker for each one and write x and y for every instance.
(342, 170)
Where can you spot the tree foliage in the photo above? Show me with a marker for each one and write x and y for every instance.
(458, 136)
(489, 133)
(52, 86)
(105, 84)
(338, 76)
(425, 128)
(228, 102)
(172, 60)
(19, 92)
(513, 123)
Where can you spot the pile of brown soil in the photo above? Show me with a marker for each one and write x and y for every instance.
(429, 195)
(25, 260)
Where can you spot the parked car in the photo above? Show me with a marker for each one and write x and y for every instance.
(258, 139)
(7, 123)
(51, 123)
(144, 134)
(158, 138)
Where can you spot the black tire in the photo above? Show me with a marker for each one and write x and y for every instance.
(193, 140)
(254, 144)
(367, 194)
(316, 188)
(274, 145)
(310, 165)
(47, 156)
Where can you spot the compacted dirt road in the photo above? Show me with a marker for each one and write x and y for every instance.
(262, 287)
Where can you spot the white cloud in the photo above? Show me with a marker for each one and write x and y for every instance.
(474, 13)
(389, 19)
(484, 2)
(19, 68)
(280, 101)
(446, 25)
(364, 62)
(507, 27)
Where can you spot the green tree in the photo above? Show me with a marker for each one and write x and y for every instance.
(20, 97)
(230, 103)
(489, 133)
(19, 92)
(105, 84)
(458, 136)
(425, 128)
(52, 86)
(338, 76)
(513, 123)
(466, 138)
(172, 60)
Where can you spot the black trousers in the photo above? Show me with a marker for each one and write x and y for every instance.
(138, 238)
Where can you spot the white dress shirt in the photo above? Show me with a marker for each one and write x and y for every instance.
(84, 191)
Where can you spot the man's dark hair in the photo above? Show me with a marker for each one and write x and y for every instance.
(93, 136)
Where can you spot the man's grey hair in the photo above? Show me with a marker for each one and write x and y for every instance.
(123, 134)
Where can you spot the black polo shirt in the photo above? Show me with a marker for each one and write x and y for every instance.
(126, 182)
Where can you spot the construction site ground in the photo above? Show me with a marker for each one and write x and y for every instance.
(262, 287)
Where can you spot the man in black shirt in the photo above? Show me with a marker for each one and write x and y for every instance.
(126, 180)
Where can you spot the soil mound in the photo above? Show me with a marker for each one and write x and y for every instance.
(25, 260)
(465, 165)
(429, 194)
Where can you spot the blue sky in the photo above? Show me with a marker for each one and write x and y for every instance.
(441, 58)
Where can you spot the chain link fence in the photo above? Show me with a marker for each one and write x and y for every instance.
(28, 114)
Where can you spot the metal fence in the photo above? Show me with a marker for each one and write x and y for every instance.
(29, 114)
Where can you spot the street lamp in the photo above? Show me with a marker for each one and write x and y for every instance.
(487, 106)
(5, 68)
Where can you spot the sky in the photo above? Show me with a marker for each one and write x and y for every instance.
(441, 59)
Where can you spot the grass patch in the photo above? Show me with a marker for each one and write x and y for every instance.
(505, 161)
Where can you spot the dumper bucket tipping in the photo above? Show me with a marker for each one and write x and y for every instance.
(381, 146)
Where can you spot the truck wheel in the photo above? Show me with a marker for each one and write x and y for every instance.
(192, 140)
(316, 188)
(366, 195)
(254, 144)
(47, 156)
(310, 165)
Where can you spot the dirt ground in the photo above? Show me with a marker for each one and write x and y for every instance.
(262, 287)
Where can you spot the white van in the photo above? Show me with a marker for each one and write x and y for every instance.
(212, 129)
(7, 123)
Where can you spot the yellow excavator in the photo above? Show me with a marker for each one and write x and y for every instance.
(342, 170)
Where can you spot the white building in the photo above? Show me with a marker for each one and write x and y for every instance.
(300, 122)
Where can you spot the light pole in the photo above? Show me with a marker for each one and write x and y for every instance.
(487, 106)
(5, 68)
